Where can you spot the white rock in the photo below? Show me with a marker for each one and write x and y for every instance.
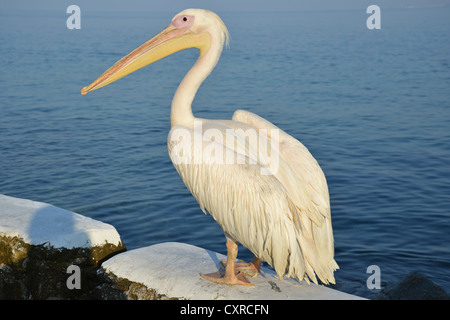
(40, 223)
(173, 269)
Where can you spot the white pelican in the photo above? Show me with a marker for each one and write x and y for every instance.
(277, 206)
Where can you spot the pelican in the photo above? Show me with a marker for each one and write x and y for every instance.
(272, 200)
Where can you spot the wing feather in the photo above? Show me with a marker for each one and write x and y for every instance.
(307, 187)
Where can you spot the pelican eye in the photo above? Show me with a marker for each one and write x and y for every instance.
(184, 18)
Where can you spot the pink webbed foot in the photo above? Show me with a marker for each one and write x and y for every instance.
(231, 275)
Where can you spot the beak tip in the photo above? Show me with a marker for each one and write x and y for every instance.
(84, 90)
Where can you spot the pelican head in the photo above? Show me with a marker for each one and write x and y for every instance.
(191, 28)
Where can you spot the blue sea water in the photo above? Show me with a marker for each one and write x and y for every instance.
(371, 105)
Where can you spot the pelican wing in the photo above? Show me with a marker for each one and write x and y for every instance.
(255, 209)
(310, 191)
(306, 185)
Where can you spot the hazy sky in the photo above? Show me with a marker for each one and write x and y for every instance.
(215, 5)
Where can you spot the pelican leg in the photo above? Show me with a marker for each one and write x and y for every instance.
(230, 276)
(250, 269)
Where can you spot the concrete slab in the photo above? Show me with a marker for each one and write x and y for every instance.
(173, 269)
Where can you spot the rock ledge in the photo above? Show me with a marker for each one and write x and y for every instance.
(39, 242)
